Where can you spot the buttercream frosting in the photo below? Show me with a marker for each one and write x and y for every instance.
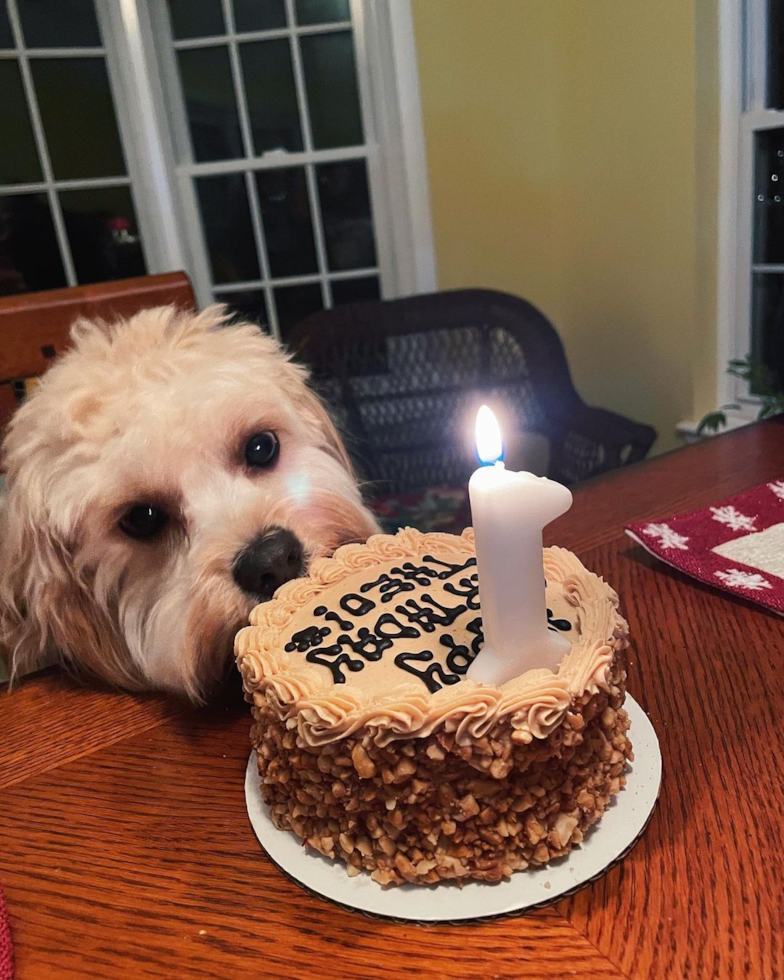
(377, 640)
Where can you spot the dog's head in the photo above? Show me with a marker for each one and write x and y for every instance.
(167, 474)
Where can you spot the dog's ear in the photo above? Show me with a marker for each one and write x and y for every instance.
(47, 613)
(311, 407)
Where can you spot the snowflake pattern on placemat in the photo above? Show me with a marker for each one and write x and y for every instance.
(733, 518)
(719, 544)
(666, 537)
(737, 578)
(778, 488)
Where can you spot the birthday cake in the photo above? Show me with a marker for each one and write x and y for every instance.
(374, 747)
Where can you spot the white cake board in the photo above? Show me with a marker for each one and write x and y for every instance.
(617, 832)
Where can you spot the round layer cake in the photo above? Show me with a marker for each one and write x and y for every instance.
(373, 746)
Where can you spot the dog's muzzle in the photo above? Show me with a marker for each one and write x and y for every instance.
(271, 559)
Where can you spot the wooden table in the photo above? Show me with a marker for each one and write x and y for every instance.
(125, 848)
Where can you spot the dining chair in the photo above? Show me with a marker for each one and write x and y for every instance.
(404, 378)
(35, 327)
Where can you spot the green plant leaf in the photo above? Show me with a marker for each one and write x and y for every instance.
(712, 422)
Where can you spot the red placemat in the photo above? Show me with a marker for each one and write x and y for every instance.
(736, 545)
(6, 949)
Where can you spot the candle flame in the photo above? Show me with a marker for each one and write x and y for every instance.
(489, 446)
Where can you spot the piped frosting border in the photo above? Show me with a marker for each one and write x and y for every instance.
(536, 702)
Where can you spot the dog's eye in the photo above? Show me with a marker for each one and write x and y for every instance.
(262, 449)
(143, 521)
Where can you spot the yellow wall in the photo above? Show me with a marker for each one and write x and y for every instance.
(562, 140)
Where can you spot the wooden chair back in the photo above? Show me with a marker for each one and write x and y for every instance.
(35, 327)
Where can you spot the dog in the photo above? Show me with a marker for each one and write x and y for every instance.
(169, 472)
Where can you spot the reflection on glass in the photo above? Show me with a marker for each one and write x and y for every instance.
(322, 11)
(272, 97)
(294, 303)
(331, 82)
(259, 15)
(210, 104)
(6, 37)
(769, 196)
(767, 323)
(288, 229)
(196, 18)
(249, 305)
(19, 157)
(59, 23)
(775, 59)
(345, 213)
(355, 290)
(103, 233)
(29, 255)
(77, 112)
(225, 217)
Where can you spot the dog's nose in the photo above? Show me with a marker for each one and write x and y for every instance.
(267, 562)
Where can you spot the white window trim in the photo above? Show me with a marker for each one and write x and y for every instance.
(742, 55)
(727, 273)
(49, 185)
(389, 90)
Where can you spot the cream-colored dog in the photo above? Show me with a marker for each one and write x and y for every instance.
(167, 474)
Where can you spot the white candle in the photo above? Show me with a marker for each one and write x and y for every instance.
(509, 512)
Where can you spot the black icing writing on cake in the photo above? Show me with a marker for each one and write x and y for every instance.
(459, 658)
(475, 627)
(448, 569)
(369, 644)
(557, 624)
(389, 586)
(311, 636)
(355, 605)
(406, 577)
(430, 613)
(466, 588)
(389, 626)
(434, 676)
(332, 658)
(414, 617)
(334, 617)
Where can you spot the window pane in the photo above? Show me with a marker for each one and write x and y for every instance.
(288, 229)
(247, 305)
(259, 15)
(210, 103)
(775, 54)
(767, 330)
(196, 18)
(272, 97)
(345, 212)
(322, 11)
(769, 196)
(77, 112)
(59, 23)
(331, 82)
(103, 234)
(29, 255)
(355, 290)
(294, 303)
(19, 157)
(225, 217)
(6, 37)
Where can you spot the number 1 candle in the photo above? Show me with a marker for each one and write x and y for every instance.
(509, 512)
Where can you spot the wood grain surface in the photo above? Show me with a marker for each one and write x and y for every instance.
(125, 848)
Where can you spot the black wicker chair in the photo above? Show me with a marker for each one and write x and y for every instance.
(404, 378)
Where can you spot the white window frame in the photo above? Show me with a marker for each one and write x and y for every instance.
(742, 113)
(395, 149)
(49, 185)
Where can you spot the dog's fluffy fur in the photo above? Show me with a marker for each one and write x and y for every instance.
(157, 409)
